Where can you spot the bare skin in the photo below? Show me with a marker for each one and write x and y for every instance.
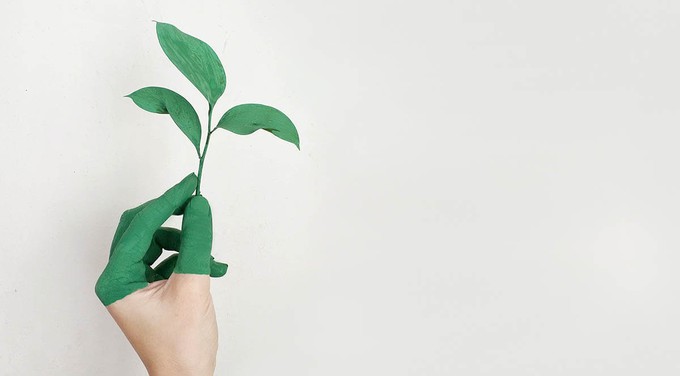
(171, 325)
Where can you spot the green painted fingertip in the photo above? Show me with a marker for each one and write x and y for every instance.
(200, 205)
(218, 269)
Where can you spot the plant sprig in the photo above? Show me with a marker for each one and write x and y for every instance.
(199, 63)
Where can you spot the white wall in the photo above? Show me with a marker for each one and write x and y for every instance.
(484, 187)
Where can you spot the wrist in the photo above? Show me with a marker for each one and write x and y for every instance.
(178, 371)
(176, 368)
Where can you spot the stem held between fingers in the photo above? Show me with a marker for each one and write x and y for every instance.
(205, 150)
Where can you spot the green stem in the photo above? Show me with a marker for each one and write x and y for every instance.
(205, 150)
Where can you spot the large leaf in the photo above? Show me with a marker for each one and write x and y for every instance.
(247, 118)
(164, 101)
(195, 59)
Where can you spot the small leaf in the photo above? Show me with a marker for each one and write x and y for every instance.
(164, 101)
(247, 118)
(195, 59)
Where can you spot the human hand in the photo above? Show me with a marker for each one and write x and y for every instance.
(166, 313)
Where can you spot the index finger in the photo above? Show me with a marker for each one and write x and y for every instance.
(135, 241)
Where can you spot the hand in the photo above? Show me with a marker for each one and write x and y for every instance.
(166, 313)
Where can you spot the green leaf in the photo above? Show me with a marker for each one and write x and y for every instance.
(195, 59)
(164, 101)
(247, 118)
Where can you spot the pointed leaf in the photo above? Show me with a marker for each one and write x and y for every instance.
(164, 101)
(247, 118)
(195, 59)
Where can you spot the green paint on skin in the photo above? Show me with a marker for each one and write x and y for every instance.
(140, 239)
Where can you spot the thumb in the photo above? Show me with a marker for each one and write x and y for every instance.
(194, 253)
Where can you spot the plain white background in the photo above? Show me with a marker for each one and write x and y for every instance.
(484, 187)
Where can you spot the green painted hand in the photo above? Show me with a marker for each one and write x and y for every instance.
(167, 312)
(139, 240)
